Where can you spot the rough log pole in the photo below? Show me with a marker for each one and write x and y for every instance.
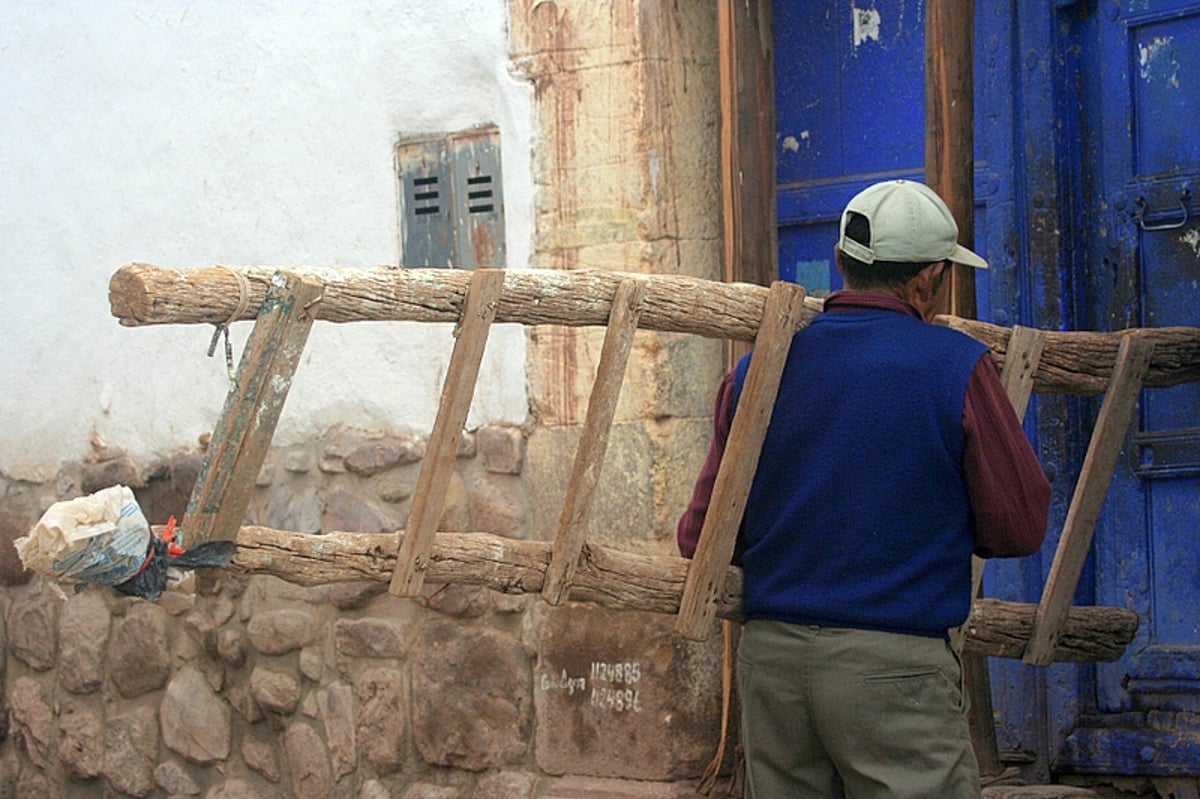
(950, 129)
(141, 294)
(622, 581)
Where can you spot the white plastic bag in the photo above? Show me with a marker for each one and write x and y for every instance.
(101, 538)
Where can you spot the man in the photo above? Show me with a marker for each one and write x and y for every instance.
(892, 455)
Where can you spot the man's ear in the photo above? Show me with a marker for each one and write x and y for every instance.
(930, 278)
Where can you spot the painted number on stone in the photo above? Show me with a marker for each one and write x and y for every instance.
(618, 700)
(613, 685)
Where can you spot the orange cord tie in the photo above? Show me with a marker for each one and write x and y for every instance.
(173, 549)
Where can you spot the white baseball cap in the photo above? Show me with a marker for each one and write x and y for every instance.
(909, 224)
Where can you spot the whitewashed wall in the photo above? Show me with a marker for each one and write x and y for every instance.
(252, 132)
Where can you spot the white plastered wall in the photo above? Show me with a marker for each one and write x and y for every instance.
(185, 134)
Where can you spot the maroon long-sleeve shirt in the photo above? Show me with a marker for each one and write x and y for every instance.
(1009, 492)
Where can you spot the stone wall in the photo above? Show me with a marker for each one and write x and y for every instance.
(266, 689)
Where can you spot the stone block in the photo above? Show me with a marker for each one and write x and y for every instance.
(346, 511)
(575, 787)
(622, 515)
(374, 789)
(240, 789)
(237, 694)
(501, 448)
(31, 782)
(498, 505)
(472, 707)
(32, 624)
(671, 375)
(83, 630)
(381, 731)
(668, 375)
(231, 646)
(427, 790)
(308, 765)
(379, 456)
(131, 749)
(13, 525)
(353, 595)
(336, 708)
(277, 632)
(394, 490)
(290, 509)
(174, 779)
(139, 653)
(80, 740)
(505, 785)
(260, 753)
(459, 601)
(114, 471)
(617, 694)
(371, 637)
(275, 690)
(195, 721)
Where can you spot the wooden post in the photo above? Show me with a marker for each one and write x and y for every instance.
(1133, 359)
(1021, 361)
(593, 442)
(252, 407)
(950, 171)
(782, 317)
(747, 87)
(950, 128)
(429, 496)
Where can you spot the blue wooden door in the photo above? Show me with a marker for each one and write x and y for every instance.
(1140, 90)
(1086, 171)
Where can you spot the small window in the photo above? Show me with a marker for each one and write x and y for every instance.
(452, 207)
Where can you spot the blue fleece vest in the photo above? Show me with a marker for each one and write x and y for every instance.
(858, 515)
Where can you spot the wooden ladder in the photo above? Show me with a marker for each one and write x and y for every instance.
(284, 304)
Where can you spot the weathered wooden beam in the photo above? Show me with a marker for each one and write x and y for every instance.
(252, 408)
(1082, 362)
(429, 497)
(141, 294)
(593, 441)
(1090, 493)
(1024, 354)
(622, 581)
(718, 536)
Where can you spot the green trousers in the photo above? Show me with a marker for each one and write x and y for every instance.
(829, 713)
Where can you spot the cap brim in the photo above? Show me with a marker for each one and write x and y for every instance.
(962, 255)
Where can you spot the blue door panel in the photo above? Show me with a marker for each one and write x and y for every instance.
(850, 90)
(1165, 56)
(1146, 170)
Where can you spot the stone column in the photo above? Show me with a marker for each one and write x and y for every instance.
(627, 179)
